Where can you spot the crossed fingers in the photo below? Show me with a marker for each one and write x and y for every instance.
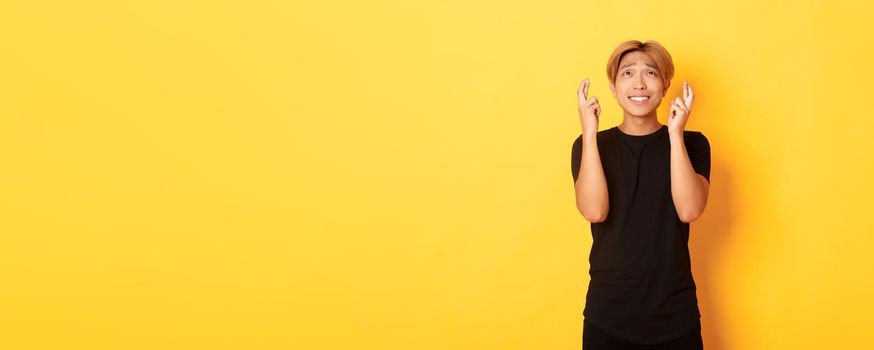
(583, 96)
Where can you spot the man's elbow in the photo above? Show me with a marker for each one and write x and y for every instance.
(593, 212)
(689, 217)
(597, 219)
(594, 216)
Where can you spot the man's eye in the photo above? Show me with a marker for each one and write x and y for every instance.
(623, 73)
(653, 73)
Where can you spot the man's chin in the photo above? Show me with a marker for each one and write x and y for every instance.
(638, 112)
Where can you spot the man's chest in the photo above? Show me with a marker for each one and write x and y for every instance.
(634, 170)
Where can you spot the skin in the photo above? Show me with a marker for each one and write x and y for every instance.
(638, 75)
(591, 184)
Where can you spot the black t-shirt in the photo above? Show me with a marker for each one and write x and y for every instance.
(641, 288)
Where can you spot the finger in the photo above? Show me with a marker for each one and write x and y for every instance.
(580, 94)
(582, 90)
(586, 88)
(690, 98)
(685, 90)
(681, 105)
(677, 103)
(591, 101)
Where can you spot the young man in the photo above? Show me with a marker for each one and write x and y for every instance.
(640, 184)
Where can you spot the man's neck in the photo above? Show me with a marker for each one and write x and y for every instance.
(634, 125)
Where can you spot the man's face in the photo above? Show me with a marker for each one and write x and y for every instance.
(638, 76)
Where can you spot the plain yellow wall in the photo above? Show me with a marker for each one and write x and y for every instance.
(396, 174)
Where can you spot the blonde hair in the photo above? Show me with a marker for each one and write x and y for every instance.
(656, 51)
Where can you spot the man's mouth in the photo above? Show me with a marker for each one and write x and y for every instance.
(639, 99)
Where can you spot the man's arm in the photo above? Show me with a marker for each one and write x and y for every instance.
(688, 188)
(590, 184)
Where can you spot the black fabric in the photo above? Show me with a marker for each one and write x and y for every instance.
(596, 339)
(641, 288)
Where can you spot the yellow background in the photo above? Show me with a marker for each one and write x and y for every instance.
(396, 174)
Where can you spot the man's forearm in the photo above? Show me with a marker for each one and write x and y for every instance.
(687, 187)
(591, 185)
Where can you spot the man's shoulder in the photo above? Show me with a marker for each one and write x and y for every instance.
(694, 133)
(600, 135)
(695, 137)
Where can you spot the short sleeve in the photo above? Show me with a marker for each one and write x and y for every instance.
(698, 148)
(576, 157)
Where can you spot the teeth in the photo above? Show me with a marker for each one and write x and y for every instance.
(639, 98)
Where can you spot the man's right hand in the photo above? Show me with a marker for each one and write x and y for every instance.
(589, 109)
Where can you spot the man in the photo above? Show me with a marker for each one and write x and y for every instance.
(640, 184)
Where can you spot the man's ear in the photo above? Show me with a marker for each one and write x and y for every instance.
(612, 89)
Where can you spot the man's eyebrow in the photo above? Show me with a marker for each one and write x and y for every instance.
(631, 64)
